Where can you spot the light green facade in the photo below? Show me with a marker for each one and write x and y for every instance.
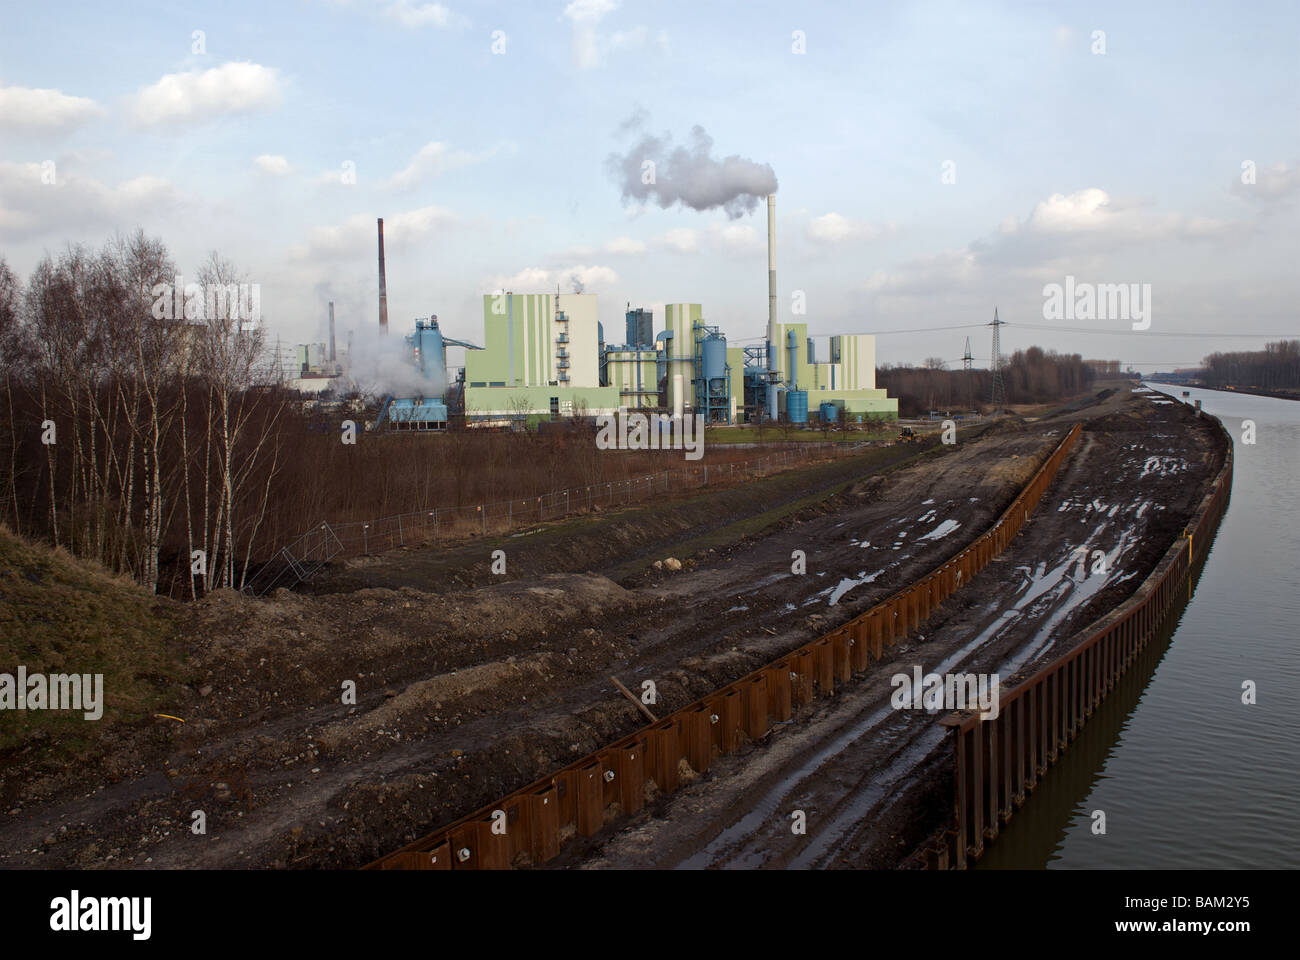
(870, 404)
(506, 403)
(736, 377)
(849, 380)
(679, 351)
(635, 374)
(524, 344)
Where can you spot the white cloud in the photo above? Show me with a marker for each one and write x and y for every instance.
(617, 247)
(591, 47)
(681, 239)
(575, 279)
(740, 237)
(1272, 183)
(833, 228)
(947, 271)
(625, 245)
(529, 279)
(588, 276)
(589, 11)
(200, 94)
(1079, 233)
(1061, 213)
(585, 15)
(436, 158)
(416, 15)
(334, 176)
(1093, 215)
(273, 164)
(723, 237)
(31, 207)
(358, 235)
(44, 111)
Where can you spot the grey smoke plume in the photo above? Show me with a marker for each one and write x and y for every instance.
(576, 283)
(689, 175)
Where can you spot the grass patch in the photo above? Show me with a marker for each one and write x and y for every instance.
(63, 615)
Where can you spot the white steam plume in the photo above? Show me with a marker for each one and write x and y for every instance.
(380, 365)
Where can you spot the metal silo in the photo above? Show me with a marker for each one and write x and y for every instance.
(715, 365)
(796, 405)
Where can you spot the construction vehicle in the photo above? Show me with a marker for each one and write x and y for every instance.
(908, 435)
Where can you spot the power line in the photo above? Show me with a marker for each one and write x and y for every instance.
(873, 333)
(1149, 333)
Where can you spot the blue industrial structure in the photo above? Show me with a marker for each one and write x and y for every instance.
(429, 356)
(412, 413)
(640, 327)
(712, 376)
(796, 406)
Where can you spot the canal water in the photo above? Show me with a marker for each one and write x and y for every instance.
(1187, 775)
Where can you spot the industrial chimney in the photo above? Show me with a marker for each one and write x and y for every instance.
(383, 283)
(771, 266)
(331, 331)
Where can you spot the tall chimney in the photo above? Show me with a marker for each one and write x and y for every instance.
(383, 283)
(771, 267)
(331, 331)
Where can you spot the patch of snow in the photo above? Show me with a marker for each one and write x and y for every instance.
(942, 530)
(848, 584)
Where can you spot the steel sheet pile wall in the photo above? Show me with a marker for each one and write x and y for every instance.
(582, 797)
(998, 761)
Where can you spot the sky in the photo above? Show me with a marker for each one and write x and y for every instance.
(933, 160)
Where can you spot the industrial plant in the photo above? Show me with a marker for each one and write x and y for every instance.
(545, 357)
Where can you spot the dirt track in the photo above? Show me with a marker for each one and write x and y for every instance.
(466, 694)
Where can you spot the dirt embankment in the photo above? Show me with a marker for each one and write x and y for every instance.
(462, 695)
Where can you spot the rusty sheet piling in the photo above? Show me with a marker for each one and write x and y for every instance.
(999, 761)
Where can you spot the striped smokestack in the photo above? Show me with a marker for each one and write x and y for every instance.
(383, 283)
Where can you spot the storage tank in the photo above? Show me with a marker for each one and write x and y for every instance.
(715, 364)
(796, 405)
(829, 412)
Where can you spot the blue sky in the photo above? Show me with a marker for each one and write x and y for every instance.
(490, 169)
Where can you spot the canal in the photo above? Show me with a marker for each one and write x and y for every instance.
(1187, 775)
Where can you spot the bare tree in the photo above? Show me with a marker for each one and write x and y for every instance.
(14, 355)
(232, 360)
(139, 266)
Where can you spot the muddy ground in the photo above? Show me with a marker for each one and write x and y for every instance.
(468, 687)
